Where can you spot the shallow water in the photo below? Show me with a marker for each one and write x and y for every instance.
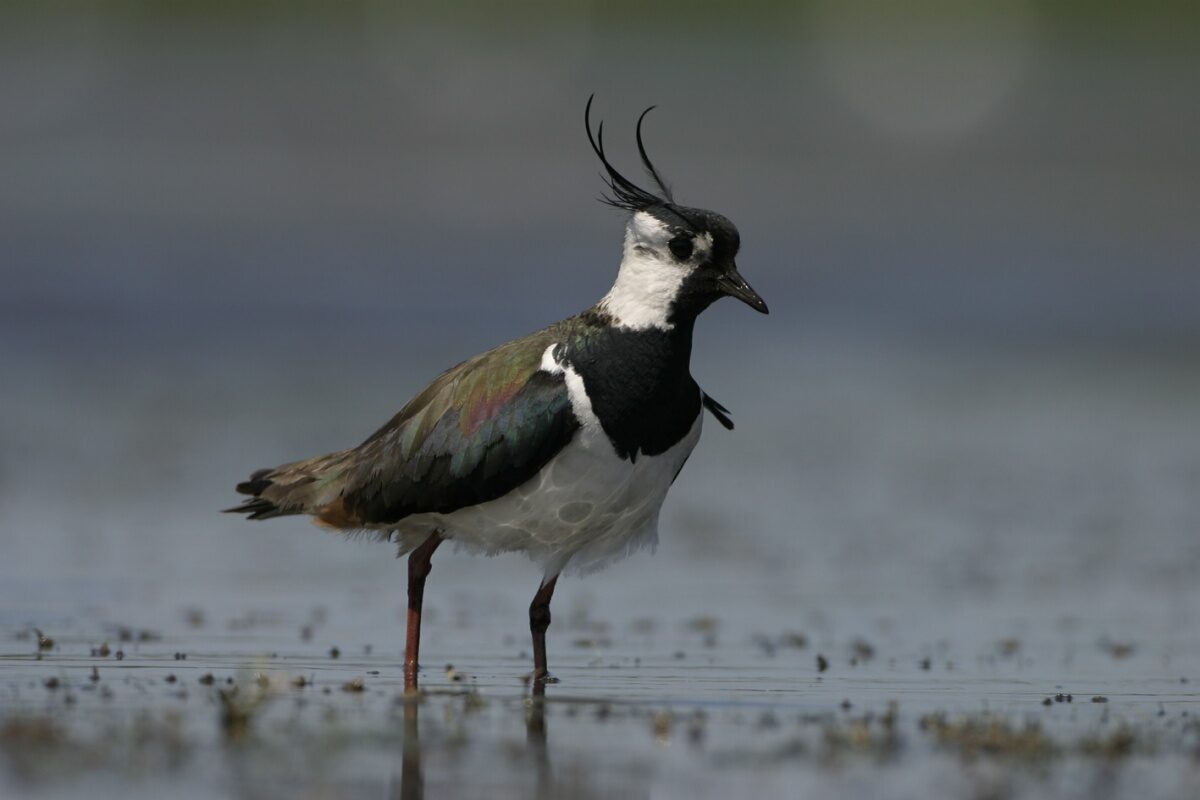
(958, 536)
(645, 707)
(964, 476)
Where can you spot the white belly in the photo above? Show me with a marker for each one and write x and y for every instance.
(585, 509)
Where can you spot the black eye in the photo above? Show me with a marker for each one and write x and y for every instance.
(681, 247)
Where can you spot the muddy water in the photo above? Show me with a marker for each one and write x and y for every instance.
(909, 570)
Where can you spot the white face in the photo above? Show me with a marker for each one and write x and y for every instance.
(651, 272)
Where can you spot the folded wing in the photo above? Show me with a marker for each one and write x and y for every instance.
(478, 431)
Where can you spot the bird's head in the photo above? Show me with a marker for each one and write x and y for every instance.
(677, 260)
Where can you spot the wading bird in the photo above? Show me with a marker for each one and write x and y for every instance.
(561, 445)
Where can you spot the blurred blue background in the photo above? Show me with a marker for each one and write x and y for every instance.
(1018, 170)
(236, 234)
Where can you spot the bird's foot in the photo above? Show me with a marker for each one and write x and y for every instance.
(536, 679)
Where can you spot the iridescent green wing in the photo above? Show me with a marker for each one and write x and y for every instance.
(478, 431)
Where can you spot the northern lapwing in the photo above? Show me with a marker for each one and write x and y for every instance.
(561, 445)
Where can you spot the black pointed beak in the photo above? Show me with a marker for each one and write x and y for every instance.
(734, 285)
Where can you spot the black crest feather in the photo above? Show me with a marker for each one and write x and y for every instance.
(625, 193)
(662, 185)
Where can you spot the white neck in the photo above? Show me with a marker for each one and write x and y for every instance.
(646, 284)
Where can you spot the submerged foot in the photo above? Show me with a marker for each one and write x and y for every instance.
(534, 679)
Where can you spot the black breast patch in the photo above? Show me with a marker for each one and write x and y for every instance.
(639, 386)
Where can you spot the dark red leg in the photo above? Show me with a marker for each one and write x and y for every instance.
(419, 564)
(539, 621)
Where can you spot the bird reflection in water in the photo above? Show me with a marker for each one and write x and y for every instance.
(535, 735)
(412, 778)
(412, 782)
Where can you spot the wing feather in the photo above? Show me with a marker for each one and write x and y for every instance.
(478, 431)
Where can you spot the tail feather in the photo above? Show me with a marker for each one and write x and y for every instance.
(255, 508)
(300, 487)
(256, 483)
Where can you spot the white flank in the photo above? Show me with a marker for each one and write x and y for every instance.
(649, 278)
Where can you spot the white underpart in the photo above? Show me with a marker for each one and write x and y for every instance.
(649, 278)
(585, 509)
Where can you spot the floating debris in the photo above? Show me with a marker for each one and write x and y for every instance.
(38, 731)
(661, 724)
(858, 737)
(238, 710)
(861, 650)
(1118, 744)
(1008, 647)
(44, 642)
(1118, 650)
(987, 735)
(356, 685)
(207, 679)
